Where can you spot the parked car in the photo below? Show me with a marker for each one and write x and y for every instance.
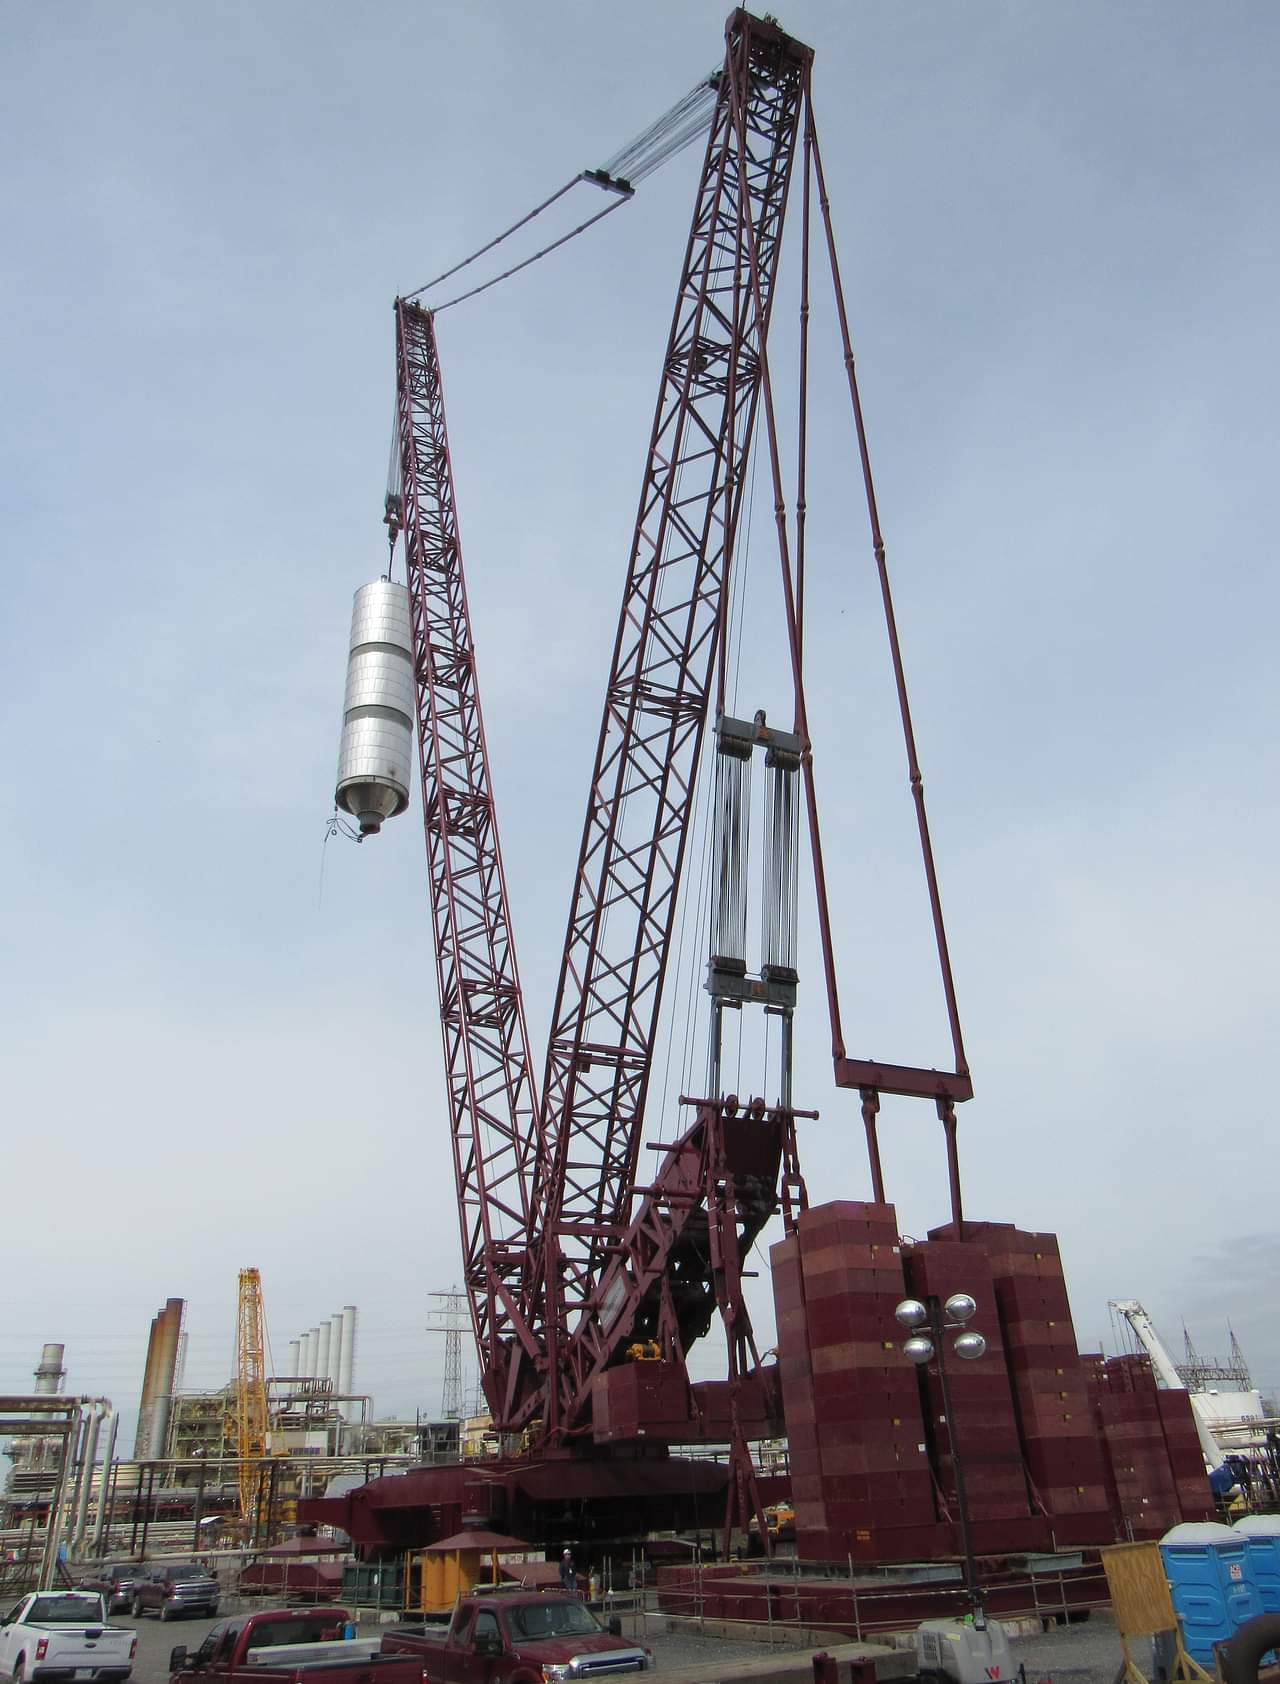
(174, 1591)
(114, 1583)
(64, 1635)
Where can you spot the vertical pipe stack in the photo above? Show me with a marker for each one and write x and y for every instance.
(97, 1412)
(50, 1374)
(335, 1350)
(157, 1380)
(104, 1487)
(166, 1370)
(142, 1436)
(347, 1374)
(328, 1352)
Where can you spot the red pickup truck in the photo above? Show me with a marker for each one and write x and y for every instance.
(291, 1646)
(518, 1638)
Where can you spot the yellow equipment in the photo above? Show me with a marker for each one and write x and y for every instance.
(251, 1390)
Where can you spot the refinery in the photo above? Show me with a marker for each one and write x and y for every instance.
(703, 1370)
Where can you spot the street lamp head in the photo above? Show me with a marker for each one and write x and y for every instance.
(970, 1346)
(959, 1307)
(911, 1313)
(918, 1349)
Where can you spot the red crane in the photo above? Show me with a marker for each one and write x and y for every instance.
(570, 1256)
(546, 1189)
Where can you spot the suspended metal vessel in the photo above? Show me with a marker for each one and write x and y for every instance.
(377, 712)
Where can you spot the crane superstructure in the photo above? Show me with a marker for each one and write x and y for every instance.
(575, 1261)
(546, 1187)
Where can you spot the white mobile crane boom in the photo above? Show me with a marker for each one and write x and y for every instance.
(1166, 1373)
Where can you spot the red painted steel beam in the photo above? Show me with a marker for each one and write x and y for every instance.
(493, 1113)
(906, 1079)
(625, 887)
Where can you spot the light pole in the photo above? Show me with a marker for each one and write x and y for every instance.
(927, 1320)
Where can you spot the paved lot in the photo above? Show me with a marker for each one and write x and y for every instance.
(156, 1638)
(1088, 1653)
(672, 1653)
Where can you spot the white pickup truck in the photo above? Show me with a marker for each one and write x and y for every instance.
(62, 1637)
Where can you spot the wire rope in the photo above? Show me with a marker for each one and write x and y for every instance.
(474, 292)
(638, 159)
(705, 844)
(737, 1081)
(447, 274)
(703, 840)
(737, 608)
(670, 134)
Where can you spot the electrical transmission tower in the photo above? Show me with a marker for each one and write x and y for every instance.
(453, 1321)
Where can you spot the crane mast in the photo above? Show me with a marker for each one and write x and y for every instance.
(251, 1389)
(626, 883)
(493, 1118)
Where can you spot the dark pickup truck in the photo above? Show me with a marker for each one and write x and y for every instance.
(115, 1583)
(289, 1646)
(524, 1638)
(173, 1591)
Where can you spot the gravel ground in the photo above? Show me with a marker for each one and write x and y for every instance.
(675, 1650)
(1086, 1653)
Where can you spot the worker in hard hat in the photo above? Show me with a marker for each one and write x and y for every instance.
(568, 1573)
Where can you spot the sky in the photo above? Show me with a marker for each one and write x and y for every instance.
(219, 1040)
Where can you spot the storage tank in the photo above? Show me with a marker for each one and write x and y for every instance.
(1211, 1582)
(377, 717)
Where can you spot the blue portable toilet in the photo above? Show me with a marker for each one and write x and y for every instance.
(1261, 1533)
(1211, 1580)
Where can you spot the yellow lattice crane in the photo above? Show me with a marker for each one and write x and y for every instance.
(251, 1391)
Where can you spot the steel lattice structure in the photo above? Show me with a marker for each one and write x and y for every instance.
(494, 1121)
(625, 887)
(567, 1260)
(545, 1192)
(251, 1389)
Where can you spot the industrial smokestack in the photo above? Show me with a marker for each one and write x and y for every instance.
(291, 1365)
(166, 1369)
(346, 1376)
(157, 1380)
(142, 1437)
(322, 1350)
(335, 1350)
(51, 1373)
(308, 1359)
